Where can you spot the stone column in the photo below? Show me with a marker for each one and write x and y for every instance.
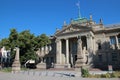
(67, 54)
(94, 46)
(58, 51)
(117, 44)
(90, 49)
(59, 63)
(67, 51)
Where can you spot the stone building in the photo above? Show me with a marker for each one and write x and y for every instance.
(100, 45)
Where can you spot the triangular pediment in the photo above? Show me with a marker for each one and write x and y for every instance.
(73, 28)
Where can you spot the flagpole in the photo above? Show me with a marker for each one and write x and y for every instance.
(78, 5)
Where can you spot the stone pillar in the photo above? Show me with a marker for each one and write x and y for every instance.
(58, 54)
(42, 54)
(16, 64)
(117, 44)
(89, 42)
(90, 49)
(67, 53)
(94, 47)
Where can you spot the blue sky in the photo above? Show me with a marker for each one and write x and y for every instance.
(44, 16)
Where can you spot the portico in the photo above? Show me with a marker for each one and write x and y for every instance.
(66, 49)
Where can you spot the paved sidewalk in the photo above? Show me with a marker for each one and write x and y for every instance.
(45, 75)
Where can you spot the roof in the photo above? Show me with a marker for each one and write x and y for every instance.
(79, 21)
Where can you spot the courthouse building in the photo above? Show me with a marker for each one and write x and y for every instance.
(100, 45)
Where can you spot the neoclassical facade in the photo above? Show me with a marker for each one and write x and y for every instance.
(83, 42)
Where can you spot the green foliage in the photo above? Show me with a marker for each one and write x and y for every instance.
(6, 69)
(107, 75)
(42, 40)
(13, 38)
(5, 42)
(85, 72)
(27, 42)
(115, 74)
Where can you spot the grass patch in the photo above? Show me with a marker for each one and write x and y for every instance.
(6, 69)
(115, 74)
(10, 69)
(86, 74)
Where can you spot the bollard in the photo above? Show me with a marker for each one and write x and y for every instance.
(53, 74)
(33, 73)
(46, 73)
(40, 74)
(61, 75)
(23, 72)
(28, 72)
(69, 75)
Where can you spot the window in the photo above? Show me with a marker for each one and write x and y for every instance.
(99, 46)
(118, 39)
(100, 57)
(52, 59)
(112, 40)
(114, 56)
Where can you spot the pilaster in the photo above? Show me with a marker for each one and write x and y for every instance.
(117, 44)
(89, 41)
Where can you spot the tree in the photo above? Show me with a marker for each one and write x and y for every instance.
(27, 42)
(5, 42)
(13, 38)
(42, 40)
(27, 45)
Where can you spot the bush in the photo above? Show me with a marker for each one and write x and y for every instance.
(105, 75)
(85, 72)
(113, 75)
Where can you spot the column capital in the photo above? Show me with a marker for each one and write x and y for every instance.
(57, 40)
(66, 38)
(88, 35)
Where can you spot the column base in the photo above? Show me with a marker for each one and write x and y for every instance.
(41, 66)
(78, 72)
(62, 66)
(16, 66)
